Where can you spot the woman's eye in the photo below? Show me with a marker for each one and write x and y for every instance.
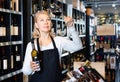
(41, 20)
(48, 19)
(44, 20)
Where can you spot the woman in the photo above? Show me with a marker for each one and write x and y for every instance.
(51, 48)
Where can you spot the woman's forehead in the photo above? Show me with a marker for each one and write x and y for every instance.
(41, 15)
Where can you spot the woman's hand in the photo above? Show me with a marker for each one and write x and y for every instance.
(68, 21)
(33, 65)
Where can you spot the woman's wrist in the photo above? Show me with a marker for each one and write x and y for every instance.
(69, 23)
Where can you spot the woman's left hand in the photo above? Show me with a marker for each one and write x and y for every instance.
(68, 21)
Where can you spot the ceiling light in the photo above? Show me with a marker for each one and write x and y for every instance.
(113, 5)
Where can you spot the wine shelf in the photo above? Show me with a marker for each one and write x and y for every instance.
(10, 11)
(11, 40)
(10, 74)
(9, 43)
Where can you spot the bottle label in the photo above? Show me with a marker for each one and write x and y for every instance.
(12, 62)
(2, 31)
(17, 58)
(5, 64)
(1, 34)
(38, 63)
(16, 30)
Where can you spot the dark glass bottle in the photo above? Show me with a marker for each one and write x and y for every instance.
(2, 29)
(1, 3)
(17, 58)
(4, 62)
(12, 61)
(90, 73)
(34, 54)
(15, 30)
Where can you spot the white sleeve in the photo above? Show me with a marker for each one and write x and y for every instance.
(26, 69)
(72, 45)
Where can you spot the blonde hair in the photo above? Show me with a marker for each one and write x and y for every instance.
(36, 32)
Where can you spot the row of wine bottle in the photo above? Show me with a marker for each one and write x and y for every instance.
(80, 28)
(78, 15)
(106, 46)
(6, 33)
(75, 57)
(12, 4)
(102, 40)
(9, 60)
(84, 73)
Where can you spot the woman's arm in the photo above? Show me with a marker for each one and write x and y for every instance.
(70, 45)
(74, 44)
(26, 69)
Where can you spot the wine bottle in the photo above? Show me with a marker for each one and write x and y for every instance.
(85, 74)
(15, 27)
(96, 76)
(14, 30)
(1, 3)
(11, 61)
(2, 29)
(91, 73)
(34, 54)
(14, 5)
(11, 28)
(17, 58)
(4, 62)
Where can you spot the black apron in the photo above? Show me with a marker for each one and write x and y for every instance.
(51, 71)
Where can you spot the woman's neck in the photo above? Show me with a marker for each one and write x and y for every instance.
(45, 39)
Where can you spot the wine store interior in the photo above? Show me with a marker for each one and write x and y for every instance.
(96, 22)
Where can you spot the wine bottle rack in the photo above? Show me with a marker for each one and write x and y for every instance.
(106, 45)
(11, 26)
(10, 75)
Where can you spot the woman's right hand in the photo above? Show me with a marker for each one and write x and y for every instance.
(68, 21)
(33, 65)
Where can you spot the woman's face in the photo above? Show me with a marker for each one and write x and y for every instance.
(43, 23)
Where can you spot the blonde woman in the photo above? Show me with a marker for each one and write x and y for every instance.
(50, 48)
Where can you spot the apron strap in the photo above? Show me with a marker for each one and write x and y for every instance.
(53, 42)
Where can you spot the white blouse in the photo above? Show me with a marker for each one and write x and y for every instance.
(61, 43)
